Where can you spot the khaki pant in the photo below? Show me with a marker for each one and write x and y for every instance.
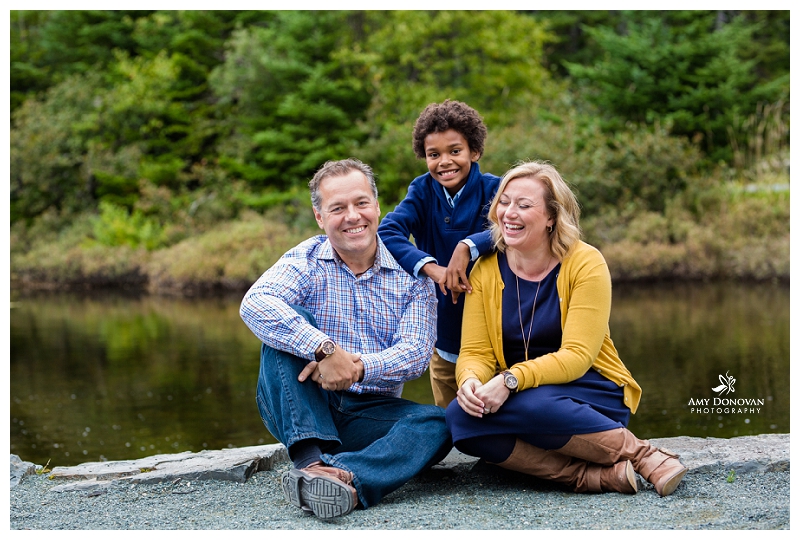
(443, 380)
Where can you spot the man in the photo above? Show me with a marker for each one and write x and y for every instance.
(343, 326)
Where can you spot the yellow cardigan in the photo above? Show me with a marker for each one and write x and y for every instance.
(584, 292)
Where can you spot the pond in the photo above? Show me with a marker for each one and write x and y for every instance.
(111, 376)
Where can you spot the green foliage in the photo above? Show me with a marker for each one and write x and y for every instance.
(638, 167)
(291, 110)
(731, 476)
(681, 69)
(165, 125)
(116, 227)
(48, 150)
(410, 59)
(48, 47)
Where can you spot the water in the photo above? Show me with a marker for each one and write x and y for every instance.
(122, 377)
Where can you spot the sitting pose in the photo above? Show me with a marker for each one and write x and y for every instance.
(343, 326)
(541, 387)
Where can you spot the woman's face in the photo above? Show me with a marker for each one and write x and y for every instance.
(522, 214)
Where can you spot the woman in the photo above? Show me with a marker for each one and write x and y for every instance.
(541, 387)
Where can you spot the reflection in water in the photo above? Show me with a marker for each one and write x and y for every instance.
(114, 377)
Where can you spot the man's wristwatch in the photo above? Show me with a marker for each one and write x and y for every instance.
(327, 348)
(511, 382)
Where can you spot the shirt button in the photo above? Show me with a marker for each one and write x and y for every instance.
(447, 220)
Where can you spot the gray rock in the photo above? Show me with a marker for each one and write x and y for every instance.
(230, 464)
(20, 469)
(756, 453)
(93, 486)
(760, 453)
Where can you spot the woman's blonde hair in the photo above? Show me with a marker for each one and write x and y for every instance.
(561, 203)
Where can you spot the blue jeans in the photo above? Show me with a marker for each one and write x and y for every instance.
(384, 441)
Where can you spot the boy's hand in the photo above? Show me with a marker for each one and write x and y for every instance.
(437, 273)
(456, 272)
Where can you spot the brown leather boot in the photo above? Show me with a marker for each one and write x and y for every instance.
(577, 473)
(660, 467)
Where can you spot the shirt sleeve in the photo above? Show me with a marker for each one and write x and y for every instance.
(267, 307)
(482, 243)
(473, 249)
(413, 342)
(422, 263)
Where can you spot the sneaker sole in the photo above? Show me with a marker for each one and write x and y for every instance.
(325, 497)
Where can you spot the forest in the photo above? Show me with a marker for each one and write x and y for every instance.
(171, 150)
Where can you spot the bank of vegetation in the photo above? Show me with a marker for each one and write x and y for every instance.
(171, 150)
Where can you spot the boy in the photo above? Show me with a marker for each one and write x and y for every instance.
(445, 211)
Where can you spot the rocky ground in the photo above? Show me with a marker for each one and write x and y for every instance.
(739, 483)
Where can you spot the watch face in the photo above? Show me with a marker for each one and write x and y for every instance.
(511, 381)
(328, 347)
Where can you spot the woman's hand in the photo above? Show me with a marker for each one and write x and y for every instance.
(493, 394)
(467, 399)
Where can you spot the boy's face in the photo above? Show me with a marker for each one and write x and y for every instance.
(449, 159)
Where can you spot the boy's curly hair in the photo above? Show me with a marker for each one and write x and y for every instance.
(450, 114)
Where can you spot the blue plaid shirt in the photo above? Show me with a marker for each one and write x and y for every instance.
(385, 314)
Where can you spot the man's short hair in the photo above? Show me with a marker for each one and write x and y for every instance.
(339, 168)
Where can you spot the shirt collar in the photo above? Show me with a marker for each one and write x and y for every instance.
(452, 200)
(383, 259)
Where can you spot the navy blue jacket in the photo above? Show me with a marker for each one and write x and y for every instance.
(426, 215)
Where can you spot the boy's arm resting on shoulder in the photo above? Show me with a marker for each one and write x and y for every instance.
(468, 249)
(267, 310)
(483, 242)
(399, 225)
(413, 343)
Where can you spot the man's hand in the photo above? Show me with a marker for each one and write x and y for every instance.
(336, 372)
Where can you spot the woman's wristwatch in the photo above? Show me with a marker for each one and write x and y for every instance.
(511, 381)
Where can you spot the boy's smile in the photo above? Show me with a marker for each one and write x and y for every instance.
(449, 159)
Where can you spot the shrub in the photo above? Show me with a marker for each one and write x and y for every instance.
(231, 256)
(115, 226)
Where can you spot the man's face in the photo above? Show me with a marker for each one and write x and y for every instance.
(349, 214)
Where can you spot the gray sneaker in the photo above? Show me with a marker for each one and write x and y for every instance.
(327, 492)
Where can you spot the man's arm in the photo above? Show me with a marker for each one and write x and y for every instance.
(266, 308)
(413, 342)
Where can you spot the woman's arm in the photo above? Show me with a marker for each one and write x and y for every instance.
(477, 358)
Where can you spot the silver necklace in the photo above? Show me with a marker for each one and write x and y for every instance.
(526, 341)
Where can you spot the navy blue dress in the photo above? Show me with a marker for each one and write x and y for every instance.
(546, 416)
